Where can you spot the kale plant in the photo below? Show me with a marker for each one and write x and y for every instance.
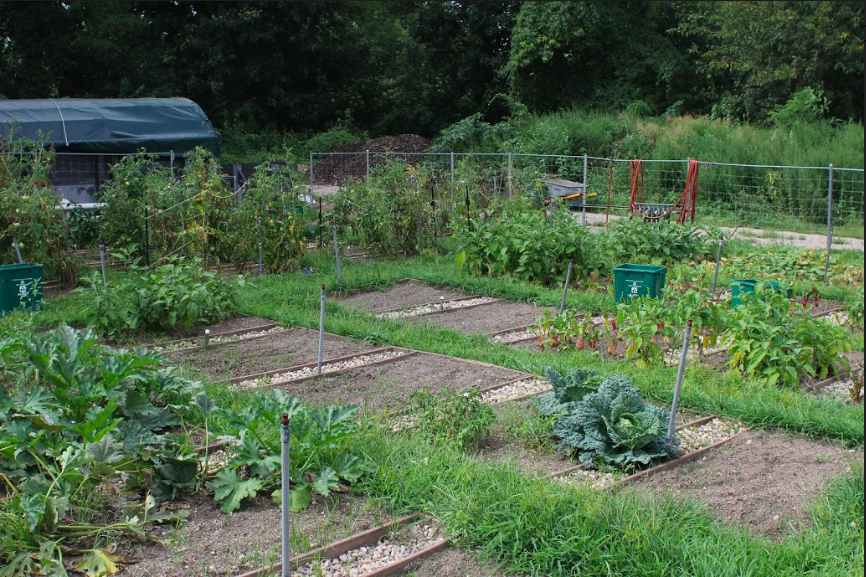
(612, 425)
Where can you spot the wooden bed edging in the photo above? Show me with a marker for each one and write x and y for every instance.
(264, 327)
(369, 537)
(434, 303)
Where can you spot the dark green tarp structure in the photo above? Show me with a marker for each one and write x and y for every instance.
(111, 126)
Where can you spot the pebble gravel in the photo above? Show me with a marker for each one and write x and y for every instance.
(434, 307)
(364, 560)
(327, 367)
(514, 337)
(526, 387)
(214, 340)
(595, 479)
(840, 390)
(694, 438)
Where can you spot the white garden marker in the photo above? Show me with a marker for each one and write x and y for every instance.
(441, 303)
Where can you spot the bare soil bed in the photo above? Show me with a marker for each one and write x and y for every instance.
(486, 319)
(233, 323)
(451, 563)
(213, 544)
(404, 294)
(761, 480)
(388, 385)
(295, 347)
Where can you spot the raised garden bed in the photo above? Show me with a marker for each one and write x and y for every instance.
(293, 347)
(762, 480)
(407, 293)
(486, 319)
(212, 543)
(387, 385)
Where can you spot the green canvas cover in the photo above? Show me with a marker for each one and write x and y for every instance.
(111, 126)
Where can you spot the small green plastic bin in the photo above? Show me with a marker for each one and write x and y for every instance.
(637, 280)
(746, 286)
(20, 285)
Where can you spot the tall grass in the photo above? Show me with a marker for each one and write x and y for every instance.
(626, 136)
(541, 527)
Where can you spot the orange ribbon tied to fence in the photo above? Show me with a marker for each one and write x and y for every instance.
(686, 203)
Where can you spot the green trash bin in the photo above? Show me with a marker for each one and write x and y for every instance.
(20, 285)
(637, 280)
(746, 286)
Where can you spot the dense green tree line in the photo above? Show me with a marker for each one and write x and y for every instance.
(388, 67)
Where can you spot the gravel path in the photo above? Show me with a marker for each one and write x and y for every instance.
(364, 560)
(216, 340)
(327, 367)
(435, 308)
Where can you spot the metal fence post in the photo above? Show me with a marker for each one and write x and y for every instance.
(337, 254)
(452, 167)
(171, 162)
(585, 188)
(17, 249)
(368, 163)
(261, 260)
(311, 173)
(829, 221)
(102, 262)
(146, 238)
(510, 175)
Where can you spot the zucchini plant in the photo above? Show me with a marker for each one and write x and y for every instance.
(83, 424)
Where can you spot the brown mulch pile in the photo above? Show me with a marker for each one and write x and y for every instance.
(342, 168)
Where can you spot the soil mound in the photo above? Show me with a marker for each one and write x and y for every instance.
(342, 168)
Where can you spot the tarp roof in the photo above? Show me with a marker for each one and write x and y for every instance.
(111, 126)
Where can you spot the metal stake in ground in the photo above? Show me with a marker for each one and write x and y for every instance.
(285, 437)
(337, 253)
(17, 249)
(146, 239)
(261, 263)
(829, 223)
(468, 213)
(718, 260)
(321, 334)
(102, 260)
(565, 288)
(672, 425)
(321, 225)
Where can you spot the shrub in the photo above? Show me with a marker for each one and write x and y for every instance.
(30, 212)
(391, 212)
(524, 242)
(175, 296)
(774, 339)
(460, 417)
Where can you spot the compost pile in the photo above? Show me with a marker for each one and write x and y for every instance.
(342, 168)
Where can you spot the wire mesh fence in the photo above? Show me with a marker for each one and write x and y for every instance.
(774, 197)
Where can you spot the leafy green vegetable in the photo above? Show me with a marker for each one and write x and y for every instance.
(614, 426)
(567, 390)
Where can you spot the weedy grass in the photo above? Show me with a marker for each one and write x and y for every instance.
(541, 527)
(294, 299)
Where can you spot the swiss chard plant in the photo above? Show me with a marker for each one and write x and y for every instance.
(83, 424)
(613, 426)
(319, 459)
